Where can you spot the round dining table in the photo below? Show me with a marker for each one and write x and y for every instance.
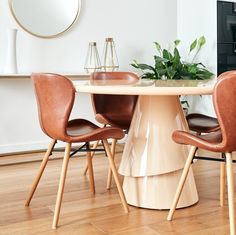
(152, 162)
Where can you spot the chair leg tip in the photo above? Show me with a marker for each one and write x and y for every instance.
(169, 218)
(127, 210)
(27, 204)
(54, 226)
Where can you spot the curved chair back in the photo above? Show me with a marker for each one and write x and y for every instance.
(115, 104)
(222, 75)
(55, 97)
(224, 97)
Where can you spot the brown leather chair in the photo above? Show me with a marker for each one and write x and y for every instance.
(201, 123)
(223, 140)
(113, 110)
(55, 98)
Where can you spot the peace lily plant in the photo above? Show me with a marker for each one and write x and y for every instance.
(168, 65)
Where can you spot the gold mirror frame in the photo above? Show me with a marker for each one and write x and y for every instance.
(42, 36)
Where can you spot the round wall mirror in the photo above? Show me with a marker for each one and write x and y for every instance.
(45, 18)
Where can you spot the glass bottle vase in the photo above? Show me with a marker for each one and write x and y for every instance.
(92, 62)
(109, 58)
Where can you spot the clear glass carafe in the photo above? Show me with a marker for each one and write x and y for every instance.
(92, 62)
(109, 58)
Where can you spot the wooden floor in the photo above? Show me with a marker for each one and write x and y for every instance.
(84, 214)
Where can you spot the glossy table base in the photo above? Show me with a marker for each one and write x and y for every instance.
(152, 162)
(157, 192)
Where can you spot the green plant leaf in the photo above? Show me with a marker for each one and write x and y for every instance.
(135, 64)
(171, 73)
(177, 42)
(201, 41)
(167, 55)
(149, 76)
(170, 65)
(160, 59)
(192, 68)
(193, 45)
(158, 46)
(145, 67)
(203, 74)
(201, 64)
(162, 72)
(176, 59)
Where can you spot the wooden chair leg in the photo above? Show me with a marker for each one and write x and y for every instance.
(40, 172)
(61, 185)
(95, 145)
(181, 182)
(91, 174)
(222, 183)
(115, 175)
(230, 186)
(113, 150)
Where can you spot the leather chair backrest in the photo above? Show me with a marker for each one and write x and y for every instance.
(55, 98)
(222, 75)
(224, 98)
(110, 104)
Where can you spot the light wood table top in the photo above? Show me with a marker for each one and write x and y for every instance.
(148, 87)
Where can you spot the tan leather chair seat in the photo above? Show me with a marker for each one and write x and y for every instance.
(201, 123)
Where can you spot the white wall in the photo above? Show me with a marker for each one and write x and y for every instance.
(133, 24)
(197, 18)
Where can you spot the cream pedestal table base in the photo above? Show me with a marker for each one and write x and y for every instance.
(152, 162)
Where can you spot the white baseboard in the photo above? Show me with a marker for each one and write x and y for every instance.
(26, 147)
(31, 146)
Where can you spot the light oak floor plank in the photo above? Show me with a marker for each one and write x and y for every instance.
(82, 213)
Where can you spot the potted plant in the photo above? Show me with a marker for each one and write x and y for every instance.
(169, 65)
